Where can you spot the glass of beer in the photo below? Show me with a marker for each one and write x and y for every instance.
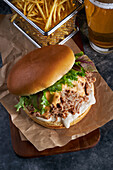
(99, 15)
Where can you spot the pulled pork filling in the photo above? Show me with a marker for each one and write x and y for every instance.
(70, 103)
(69, 100)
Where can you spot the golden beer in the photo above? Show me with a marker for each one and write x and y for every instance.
(100, 23)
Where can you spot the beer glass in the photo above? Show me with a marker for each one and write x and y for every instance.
(99, 15)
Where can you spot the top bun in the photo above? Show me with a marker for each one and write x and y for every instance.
(40, 69)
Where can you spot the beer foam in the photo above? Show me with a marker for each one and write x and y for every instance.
(104, 4)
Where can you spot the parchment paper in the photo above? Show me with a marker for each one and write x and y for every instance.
(13, 45)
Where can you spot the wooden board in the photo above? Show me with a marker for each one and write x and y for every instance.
(26, 149)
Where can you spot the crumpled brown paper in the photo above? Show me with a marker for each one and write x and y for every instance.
(14, 45)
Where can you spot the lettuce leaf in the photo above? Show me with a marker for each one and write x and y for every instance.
(44, 103)
(23, 101)
(85, 62)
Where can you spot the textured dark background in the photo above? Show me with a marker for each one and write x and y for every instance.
(98, 158)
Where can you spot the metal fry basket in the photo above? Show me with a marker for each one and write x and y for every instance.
(59, 34)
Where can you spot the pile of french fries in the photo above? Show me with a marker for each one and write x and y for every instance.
(44, 13)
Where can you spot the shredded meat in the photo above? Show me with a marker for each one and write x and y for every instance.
(70, 101)
(90, 80)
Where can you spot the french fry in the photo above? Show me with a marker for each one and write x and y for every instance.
(31, 9)
(40, 9)
(32, 14)
(20, 5)
(34, 20)
(54, 15)
(40, 19)
(14, 17)
(36, 10)
(59, 9)
(46, 8)
(62, 2)
(69, 5)
(30, 6)
(49, 22)
(25, 7)
(62, 7)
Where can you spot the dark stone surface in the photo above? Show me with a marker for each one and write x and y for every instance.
(4, 8)
(98, 158)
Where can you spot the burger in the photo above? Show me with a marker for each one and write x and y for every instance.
(51, 90)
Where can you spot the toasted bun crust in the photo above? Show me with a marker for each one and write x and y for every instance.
(57, 125)
(40, 69)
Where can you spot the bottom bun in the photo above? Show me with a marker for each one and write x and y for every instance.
(57, 125)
